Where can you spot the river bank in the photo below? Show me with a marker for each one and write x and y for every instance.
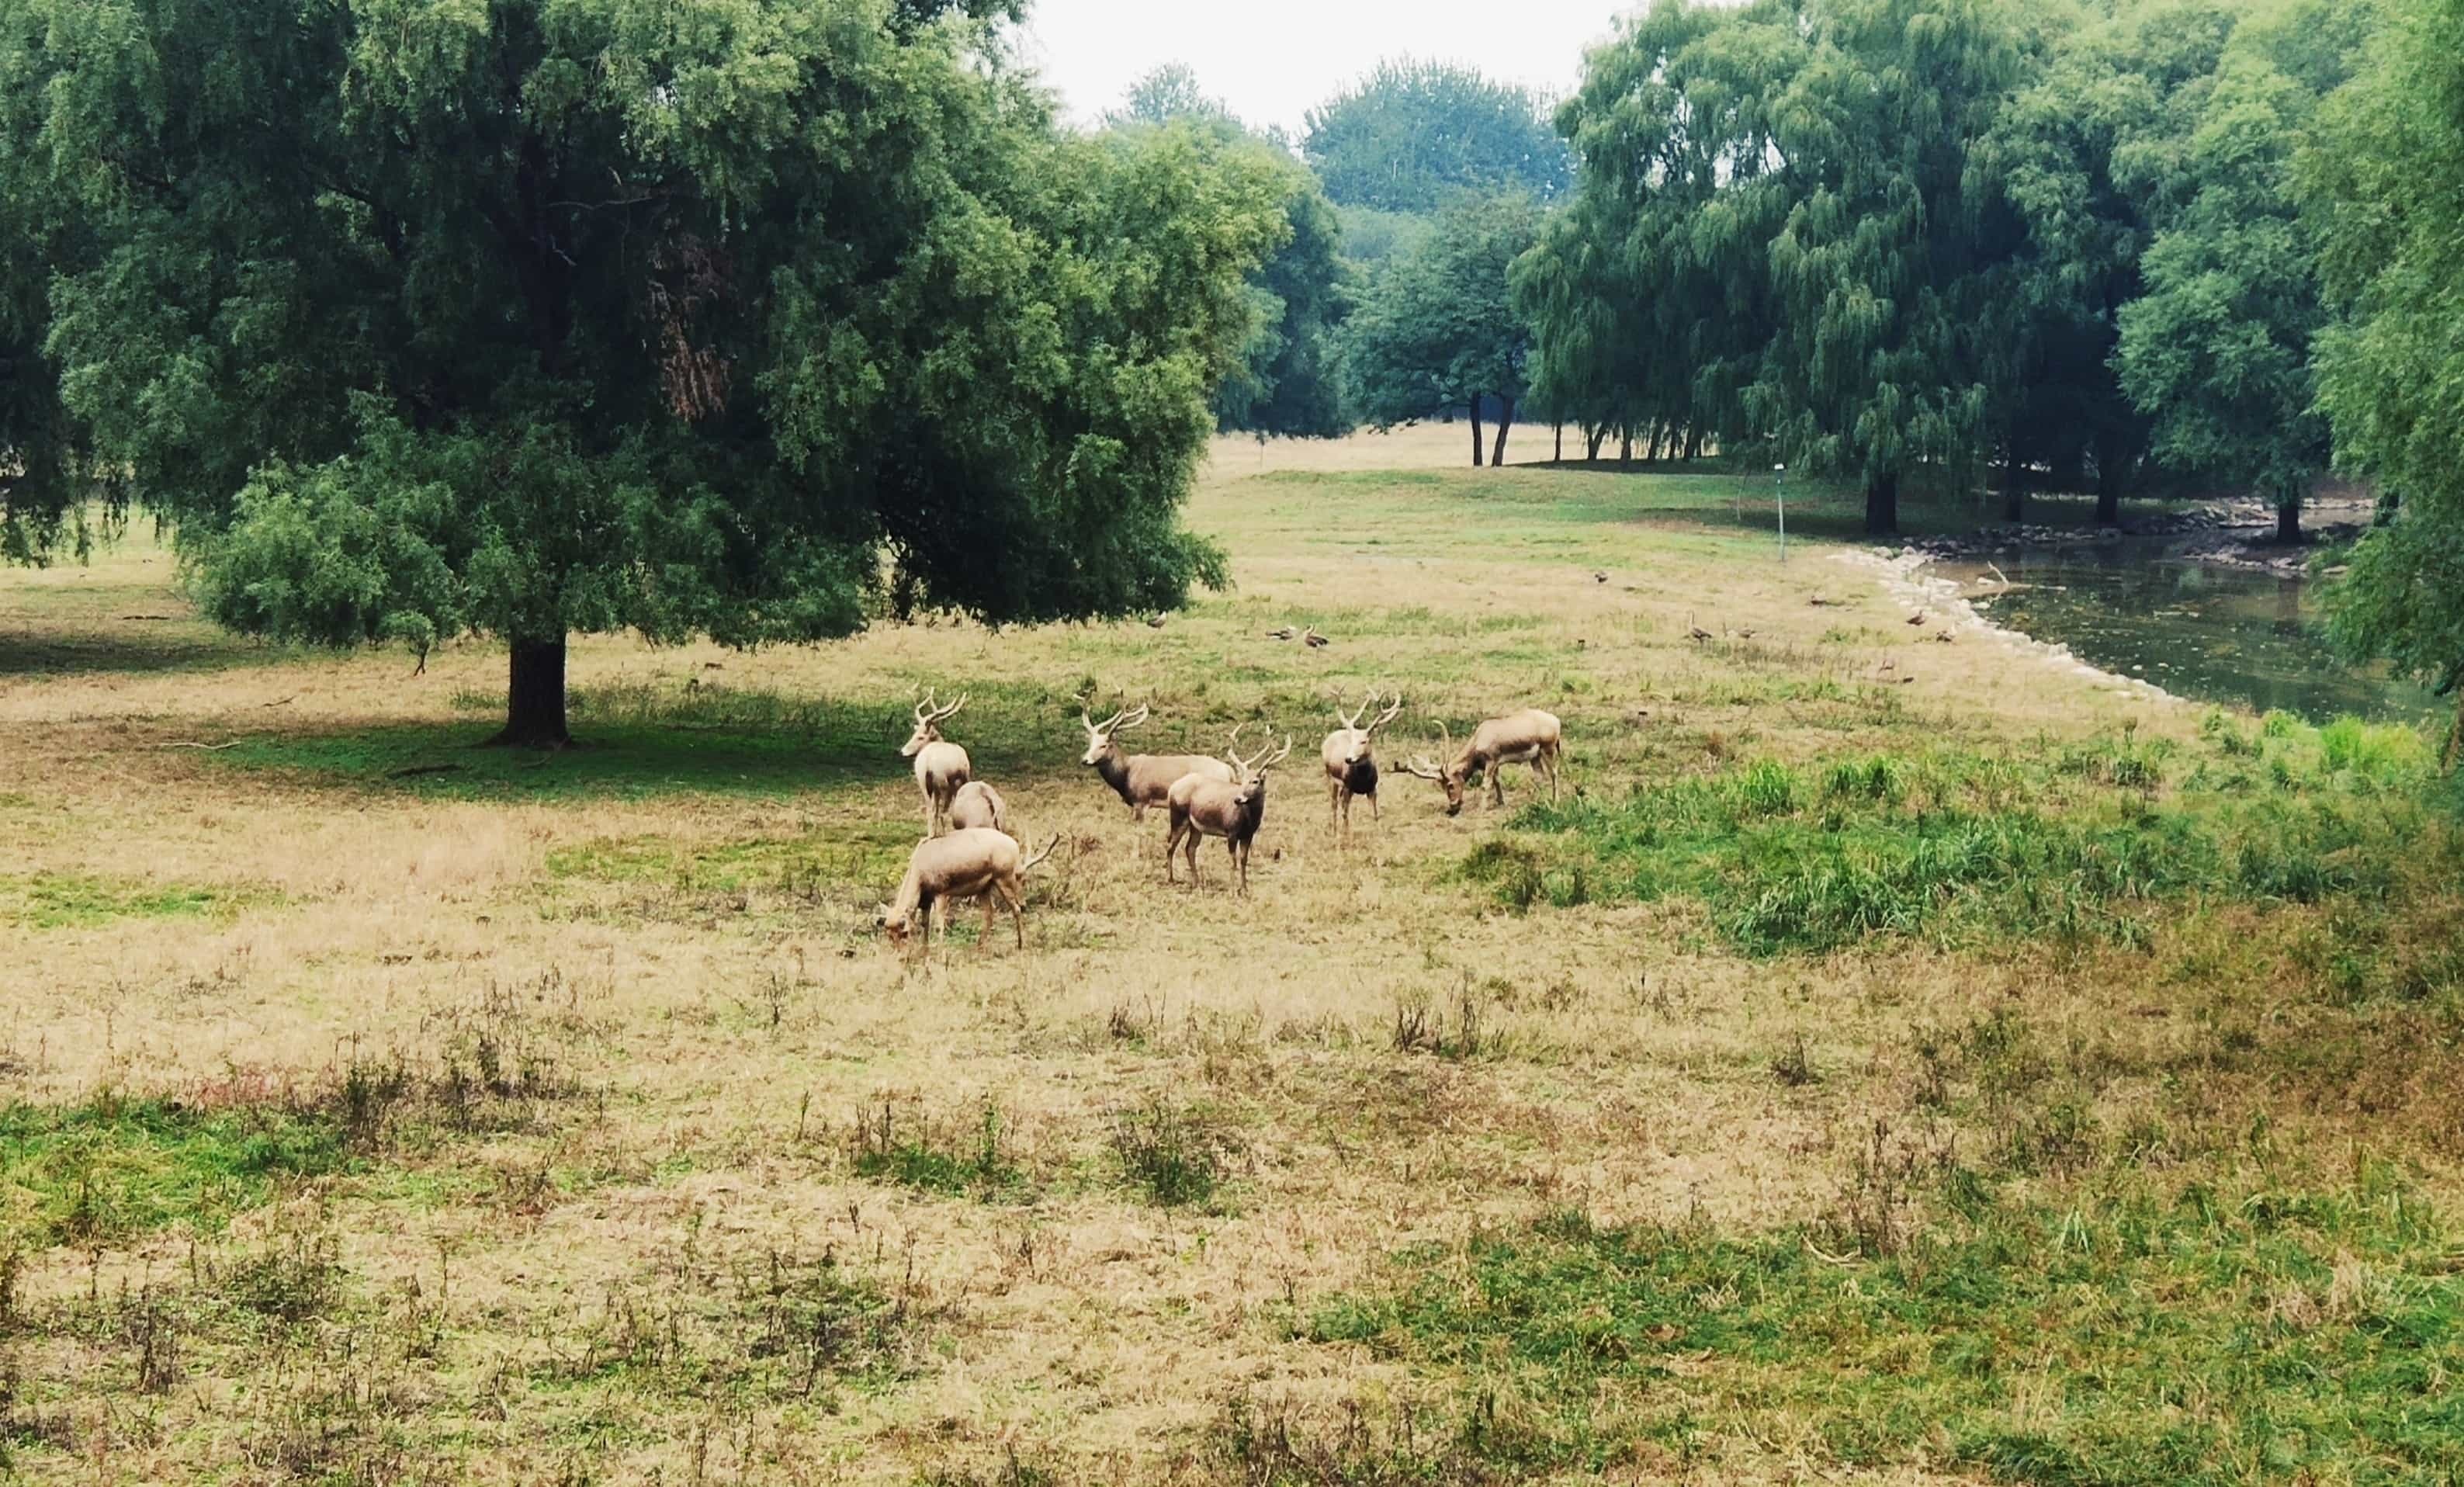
(2236, 531)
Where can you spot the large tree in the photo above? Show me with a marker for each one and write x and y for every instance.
(2384, 185)
(1289, 380)
(2217, 349)
(542, 317)
(1436, 329)
(1413, 136)
(47, 485)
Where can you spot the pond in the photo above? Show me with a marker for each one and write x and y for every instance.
(2213, 634)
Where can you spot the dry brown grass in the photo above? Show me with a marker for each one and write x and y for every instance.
(722, 1040)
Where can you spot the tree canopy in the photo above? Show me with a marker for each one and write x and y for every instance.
(2384, 187)
(555, 315)
(1289, 380)
(1413, 136)
(1437, 329)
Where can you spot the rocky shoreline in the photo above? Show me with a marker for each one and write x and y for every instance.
(2232, 532)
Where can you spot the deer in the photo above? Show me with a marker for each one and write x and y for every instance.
(978, 804)
(941, 767)
(977, 863)
(1231, 809)
(1351, 770)
(1529, 737)
(1141, 780)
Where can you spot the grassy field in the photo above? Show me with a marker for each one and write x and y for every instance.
(1896, 1061)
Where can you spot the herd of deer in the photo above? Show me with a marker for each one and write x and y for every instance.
(968, 851)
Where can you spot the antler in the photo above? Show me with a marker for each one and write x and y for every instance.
(944, 715)
(1420, 765)
(1131, 719)
(1351, 721)
(1264, 763)
(1037, 859)
(1393, 710)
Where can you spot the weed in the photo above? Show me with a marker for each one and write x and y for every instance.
(1177, 1154)
(115, 1167)
(1794, 1066)
(914, 1154)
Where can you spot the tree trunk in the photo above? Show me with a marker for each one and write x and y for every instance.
(1625, 447)
(535, 699)
(1651, 445)
(1882, 505)
(2014, 487)
(1475, 431)
(1559, 457)
(2113, 461)
(1504, 421)
(2383, 514)
(1599, 436)
(2288, 515)
(1693, 445)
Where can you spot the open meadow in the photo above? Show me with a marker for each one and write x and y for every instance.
(1893, 1060)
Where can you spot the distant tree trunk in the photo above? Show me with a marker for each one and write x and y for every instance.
(1475, 431)
(1559, 456)
(2288, 514)
(1504, 421)
(2113, 461)
(2015, 485)
(1693, 445)
(1651, 445)
(1600, 435)
(534, 698)
(1882, 505)
(1625, 446)
(2384, 514)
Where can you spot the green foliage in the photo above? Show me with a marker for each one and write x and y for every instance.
(2308, 1328)
(103, 1172)
(1436, 329)
(567, 315)
(2384, 185)
(914, 1154)
(1957, 847)
(2218, 350)
(1412, 137)
(53, 901)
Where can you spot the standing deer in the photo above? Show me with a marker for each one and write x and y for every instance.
(1351, 770)
(978, 804)
(978, 864)
(941, 768)
(1529, 737)
(1232, 810)
(1141, 780)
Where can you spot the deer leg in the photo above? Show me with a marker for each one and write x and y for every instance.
(1171, 846)
(1334, 800)
(984, 936)
(1239, 863)
(1016, 894)
(1189, 850)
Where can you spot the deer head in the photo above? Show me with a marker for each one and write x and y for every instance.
(1449, 778)
(1101, 737)
(928, 719)
(1363, 732)
(1249, 774)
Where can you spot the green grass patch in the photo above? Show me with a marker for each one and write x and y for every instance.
(952, 1159)
(2131, 1339)
(1956, 846)
(57, 901)
(111, 1168)
(873, 853)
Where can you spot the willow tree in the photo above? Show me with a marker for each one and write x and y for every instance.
(1412, 137)
(48, 488)
(2384, 187)
(546, 317)
(1879, 366)
(1437, 329)
(2218, 350)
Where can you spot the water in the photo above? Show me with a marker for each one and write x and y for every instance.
(2215, 634)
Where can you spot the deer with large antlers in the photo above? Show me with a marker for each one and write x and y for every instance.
(1351, 768)
(1141, 780)
(1529, 737)
(978, 864)
(941, 767)
(1232, 810)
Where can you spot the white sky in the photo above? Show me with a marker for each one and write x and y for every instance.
(1273, 60)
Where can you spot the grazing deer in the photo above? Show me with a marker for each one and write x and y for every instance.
(978, 804)
(1351, 770)
(1232, 810)
(941, 768)
(1529, 737)
(978, 864)
(1141, 780)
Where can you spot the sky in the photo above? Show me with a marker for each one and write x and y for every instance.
(1273, 60)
